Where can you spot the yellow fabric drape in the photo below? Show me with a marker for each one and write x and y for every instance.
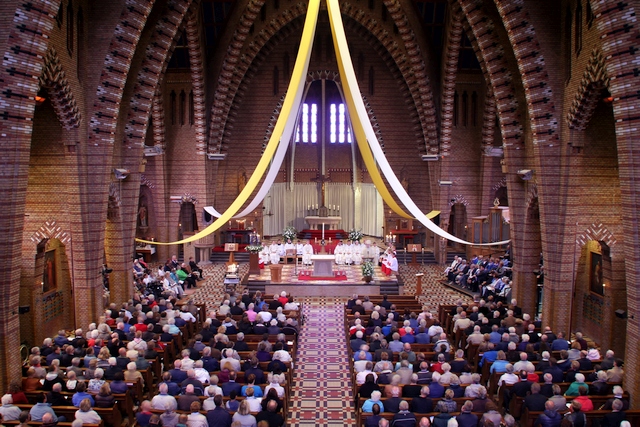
(290, 105)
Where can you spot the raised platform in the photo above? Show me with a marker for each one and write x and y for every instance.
(290, 276)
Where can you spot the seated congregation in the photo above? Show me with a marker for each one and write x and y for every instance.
(163, 362)
(482, 364)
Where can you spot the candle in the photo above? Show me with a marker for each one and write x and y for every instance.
(338, 207)
(316, 240)
(308, 207)
(229, 224)
(323, 231)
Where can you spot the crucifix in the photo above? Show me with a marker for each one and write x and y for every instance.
(321, 180)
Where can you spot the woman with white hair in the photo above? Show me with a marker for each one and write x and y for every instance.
(96, 382)
(574, 387)
(274, 382)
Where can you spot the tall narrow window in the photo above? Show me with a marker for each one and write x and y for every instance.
(183, 98)
(172, 97)
(474, 109)
(276, 81)
(589, 15)
(578, 28)
(80, 53)
(70, 31)
(263, 12)
(191, 108)
(455, 108)
(276, 4)
(339, 130)
(307, 129)
(285, 64)
(465, 108)
(60, 16)
(568, 22)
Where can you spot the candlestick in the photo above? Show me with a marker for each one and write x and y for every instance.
(229, 224)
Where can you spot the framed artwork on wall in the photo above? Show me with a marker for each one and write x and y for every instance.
(49, 276)
(595, 273)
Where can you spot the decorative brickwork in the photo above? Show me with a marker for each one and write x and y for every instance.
(597, 232)
(449, 74)
(54, 80)
(197, 75)
(51, 230)
(593, 81)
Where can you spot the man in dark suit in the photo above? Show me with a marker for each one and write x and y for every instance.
(556, 373)
(422, 404)
(178, 374)
(231, 385)
(535, 401)
(403, 418)
(255, 370)
(392, 404)
(218, 416)
(270, 415)
(614, 418)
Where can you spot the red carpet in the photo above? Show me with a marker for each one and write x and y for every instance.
(337, 277)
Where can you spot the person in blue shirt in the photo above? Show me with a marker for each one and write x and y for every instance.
(489, 356)
(500, 364)
(81, 394)
(375, 399)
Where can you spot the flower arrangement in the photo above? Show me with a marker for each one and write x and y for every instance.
(290, 233)
(367, 269)
(355, 235)
(253, 248)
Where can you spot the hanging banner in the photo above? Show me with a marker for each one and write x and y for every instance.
(291, 104)
(363, 129)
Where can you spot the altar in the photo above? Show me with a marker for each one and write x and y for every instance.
(330, 222)
(323, 265)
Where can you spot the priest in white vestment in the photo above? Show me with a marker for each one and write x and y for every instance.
(264, 255)
(307, 251)
(339, 253)
(357, 253)
(348, 253)
(274, 256)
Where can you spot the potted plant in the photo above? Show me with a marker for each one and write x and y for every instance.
(253, 249)
(289, 233)
(355, 235)
(367, 271)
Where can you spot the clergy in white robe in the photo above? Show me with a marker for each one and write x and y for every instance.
(348, 253)
(339, 253)
(299, 248)
(264, 255)
(307, 251)
(392, 263)
(356, 253)
(274, 256)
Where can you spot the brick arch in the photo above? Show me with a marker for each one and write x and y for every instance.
(500, 78)
(617, 25)
(241, 53)
(449, 74)
(197, 78)
(28, 37)
(594, 80)
(597, 232)
(53, 79)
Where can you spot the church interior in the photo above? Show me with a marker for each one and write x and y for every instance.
(121, 120)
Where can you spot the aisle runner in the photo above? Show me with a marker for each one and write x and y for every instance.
(321, 392)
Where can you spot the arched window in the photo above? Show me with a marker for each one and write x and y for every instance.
(70, 31)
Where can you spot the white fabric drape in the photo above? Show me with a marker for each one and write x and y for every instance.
(304, 195)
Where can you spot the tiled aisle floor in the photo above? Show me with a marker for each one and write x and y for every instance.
(321, 392)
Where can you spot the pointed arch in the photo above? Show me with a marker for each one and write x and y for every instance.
(594, 80)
